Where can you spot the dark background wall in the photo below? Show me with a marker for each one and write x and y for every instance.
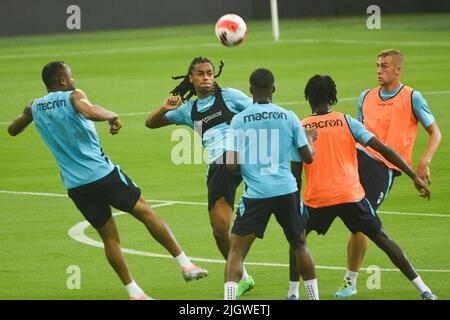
(49, 16)
(310, 8)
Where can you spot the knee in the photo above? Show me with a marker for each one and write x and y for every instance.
(381, 238)
(220, 226)
(109, 239)
(358, 236)
(299, 243)
(108, 233)
(142, 210)
(221, 230)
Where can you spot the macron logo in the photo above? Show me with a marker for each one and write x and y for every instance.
(324, 124)
(51, 105)
(265, 116)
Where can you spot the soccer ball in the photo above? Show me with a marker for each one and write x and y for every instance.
(231, 30)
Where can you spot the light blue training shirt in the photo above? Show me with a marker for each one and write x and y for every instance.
(264, 136)
(71, 138)
(214, 139)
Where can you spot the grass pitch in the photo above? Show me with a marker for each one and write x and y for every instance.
(129, 72)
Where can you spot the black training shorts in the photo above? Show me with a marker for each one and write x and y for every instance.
(357, 216)
(94, 199)
(253, 216)
(376, 178)
(221, 183)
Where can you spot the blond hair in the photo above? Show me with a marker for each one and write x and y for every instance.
(392, 52)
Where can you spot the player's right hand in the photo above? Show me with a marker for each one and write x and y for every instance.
(422, 187)
(114, 125)
(172, 103)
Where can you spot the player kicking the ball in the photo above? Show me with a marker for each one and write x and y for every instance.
(64, 118)
(333, 188)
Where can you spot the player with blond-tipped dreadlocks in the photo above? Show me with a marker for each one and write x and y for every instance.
(210, 116)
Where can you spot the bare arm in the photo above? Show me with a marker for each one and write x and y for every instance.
(232, 162)
(434, 139)
(307, 152)
(22, 121)
(297, 169)
(393, 157)
(157, 119)
(93, 112)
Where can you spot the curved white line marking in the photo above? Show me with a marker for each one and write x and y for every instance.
(77, 233)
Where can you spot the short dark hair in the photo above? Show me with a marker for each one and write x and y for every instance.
(51, 73)
(320, 90)
(262, 78)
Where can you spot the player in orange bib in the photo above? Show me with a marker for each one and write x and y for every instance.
(332, 186)
(392, 113)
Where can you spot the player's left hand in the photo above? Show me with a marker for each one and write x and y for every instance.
(423, 171)
(311, 133)
(114, 125)
(422, 187)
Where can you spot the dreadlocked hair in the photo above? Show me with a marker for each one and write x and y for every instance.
(320, 90)
(185, 89)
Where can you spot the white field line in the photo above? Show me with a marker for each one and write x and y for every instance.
(173, 202)
(214, 44)
(289, 103)
(77, 233)
(286, 103)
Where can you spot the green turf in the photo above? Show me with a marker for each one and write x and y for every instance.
(129, 72)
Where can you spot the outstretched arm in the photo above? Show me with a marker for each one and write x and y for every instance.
(393, 157)
(157, 119)
(93, 112)
(434, 139)
(22, 121)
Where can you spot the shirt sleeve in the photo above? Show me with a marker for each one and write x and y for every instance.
(294, 155)
(181, 115)
(421, 110)
(360, 103)
(299, 138)
(299, 133)
(360, 133)
(236, 100)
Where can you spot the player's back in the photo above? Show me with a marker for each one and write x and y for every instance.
(332, 178)
(266, 134)
(71, 138)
